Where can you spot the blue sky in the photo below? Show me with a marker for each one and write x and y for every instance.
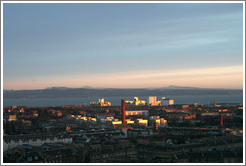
(123, 45)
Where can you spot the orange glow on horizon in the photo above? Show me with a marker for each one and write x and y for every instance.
(220, 77)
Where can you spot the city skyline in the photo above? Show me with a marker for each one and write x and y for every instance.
(123, 45)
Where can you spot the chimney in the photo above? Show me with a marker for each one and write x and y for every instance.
(221, 118)
(214, 104)
(156, 126)
(123, 111)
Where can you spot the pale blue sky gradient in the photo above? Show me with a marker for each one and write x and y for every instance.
(83, 44)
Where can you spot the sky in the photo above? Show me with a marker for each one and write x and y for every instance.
(122, 45)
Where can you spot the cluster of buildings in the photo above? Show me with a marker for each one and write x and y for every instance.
(137, 102)
(119, 134)
(152, 102)
(140, 117)
(139, 145)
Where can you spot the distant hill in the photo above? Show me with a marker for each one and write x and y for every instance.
(63, 92)
(180, 87)
(60, 88)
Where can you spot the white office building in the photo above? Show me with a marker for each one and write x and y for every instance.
(166, 101)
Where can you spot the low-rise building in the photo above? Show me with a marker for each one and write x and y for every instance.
(137, 112)
(156, 120)
(142, 122)
(35, 139)
(135, 133)
(11, 118)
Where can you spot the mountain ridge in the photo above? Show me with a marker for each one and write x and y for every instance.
(153, 88)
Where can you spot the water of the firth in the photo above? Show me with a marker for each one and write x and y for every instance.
(178, 99)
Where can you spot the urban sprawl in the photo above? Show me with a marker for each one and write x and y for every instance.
(136, 132)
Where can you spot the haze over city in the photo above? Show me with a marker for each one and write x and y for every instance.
(123, 45)
(123, 82)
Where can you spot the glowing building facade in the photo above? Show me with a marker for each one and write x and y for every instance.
(136, 102)
(101, 102)
(137, 112)
(153, 101)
